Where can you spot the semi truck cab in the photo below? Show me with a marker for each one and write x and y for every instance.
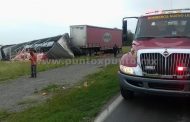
(159, 60)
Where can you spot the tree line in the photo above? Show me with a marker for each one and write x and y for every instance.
(130, 37)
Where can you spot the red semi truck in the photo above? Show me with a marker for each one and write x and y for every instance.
(92, 39)
(159, 60)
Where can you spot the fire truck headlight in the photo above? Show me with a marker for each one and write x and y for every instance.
(126, 70)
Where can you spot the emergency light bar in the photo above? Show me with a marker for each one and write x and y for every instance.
(153, 12)
(176, 11)
(187, 10)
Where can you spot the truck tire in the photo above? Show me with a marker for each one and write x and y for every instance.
(127, 94)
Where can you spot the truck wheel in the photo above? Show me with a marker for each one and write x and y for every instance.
(127, 94)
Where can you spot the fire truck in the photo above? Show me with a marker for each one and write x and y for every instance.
(159, 60)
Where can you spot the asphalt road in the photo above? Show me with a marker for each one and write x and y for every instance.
(147, 108)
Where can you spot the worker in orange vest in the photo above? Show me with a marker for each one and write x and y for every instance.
(33, 60)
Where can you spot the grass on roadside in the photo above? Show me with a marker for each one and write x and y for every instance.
(76, 104)
(51, 88)
(3, 114)
(126, 49)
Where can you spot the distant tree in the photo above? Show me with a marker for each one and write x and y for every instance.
(130, 37)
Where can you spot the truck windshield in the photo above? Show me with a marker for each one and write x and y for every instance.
(168, 25)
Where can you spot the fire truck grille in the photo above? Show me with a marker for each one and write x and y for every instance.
(156, 63)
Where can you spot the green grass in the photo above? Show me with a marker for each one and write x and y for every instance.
(3, 114)
(51, 88)
(78, 104)
(126, 49)
(10, 70)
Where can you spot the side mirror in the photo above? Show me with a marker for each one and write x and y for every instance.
(124, 31)
(124, 27)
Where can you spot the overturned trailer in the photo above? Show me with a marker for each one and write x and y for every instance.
(48, 48)
(53, 47)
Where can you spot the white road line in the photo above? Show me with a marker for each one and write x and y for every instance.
(102, 116)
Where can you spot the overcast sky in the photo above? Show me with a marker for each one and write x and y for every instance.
(26, 20)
